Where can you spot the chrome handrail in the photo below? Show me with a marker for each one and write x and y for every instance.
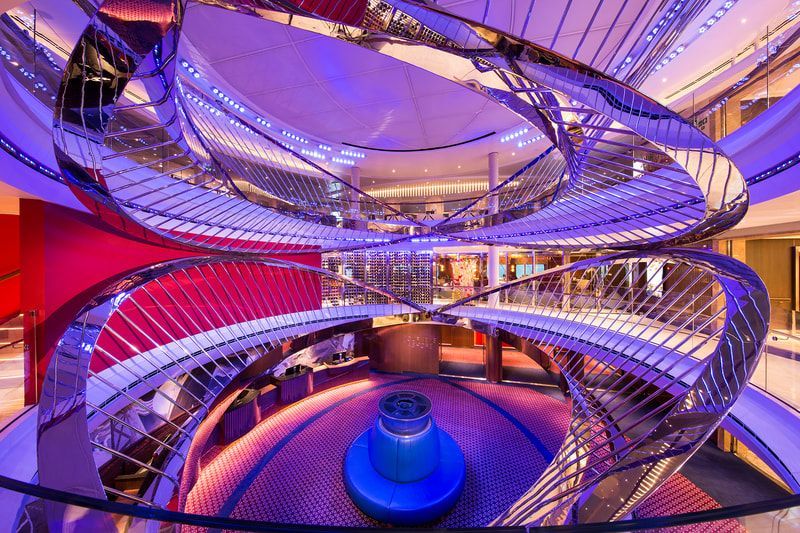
(164, 516)
(683, 189)
(654, 364)
(193, 324)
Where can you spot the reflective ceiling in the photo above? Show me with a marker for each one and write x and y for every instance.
(339, 93)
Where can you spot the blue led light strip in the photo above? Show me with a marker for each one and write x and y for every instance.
(194, 73)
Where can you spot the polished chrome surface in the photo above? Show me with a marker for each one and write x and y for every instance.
(139, 152)
(655, 349)
(655, 346)
(139, 367)
(627, 172)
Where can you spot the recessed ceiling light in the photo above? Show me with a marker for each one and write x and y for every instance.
(663, 80)
(459, 166)
(393, 171)
(744, 21)
(513, 153)
(426, 170)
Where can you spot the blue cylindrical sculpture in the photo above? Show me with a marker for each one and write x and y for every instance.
(404, 470)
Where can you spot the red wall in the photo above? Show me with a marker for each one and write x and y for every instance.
(9, 240)
(9, 263)
(66, 258)
(197, 300)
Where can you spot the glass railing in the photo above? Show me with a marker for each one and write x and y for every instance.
(779, 367)
(748, 84)
(44, 509)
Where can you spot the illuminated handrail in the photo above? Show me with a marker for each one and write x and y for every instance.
(634, 173)
(144, 159)
(141, 364)
(776, 62)
(625, 173)
(655, 349)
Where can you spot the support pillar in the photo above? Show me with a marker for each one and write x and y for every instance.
(435, 204)
(493, 257)
(355, 181)
(494, 358)
(355, 197)
(493, 273)
(566, 283)
(494, 175)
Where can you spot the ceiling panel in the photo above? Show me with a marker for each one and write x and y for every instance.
(386, 86)
(295, 103)
(269, 70)
(456, 104)
(423, 83)
(338, 92)
(232, 34)
(386, 114)
(336, 59)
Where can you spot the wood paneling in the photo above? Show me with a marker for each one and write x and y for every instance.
(403, 348)
(455, 336)
(773, 260)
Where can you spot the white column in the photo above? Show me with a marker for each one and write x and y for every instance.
(435, 204)
(355, 181)
(493, 261)
(494, 179)
(355, 207)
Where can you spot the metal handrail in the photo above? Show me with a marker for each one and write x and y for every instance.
(665, 203)
(225, 523)
(10, 344)
(10, 275)
(788, 336)
(196, 323)
(670, 344)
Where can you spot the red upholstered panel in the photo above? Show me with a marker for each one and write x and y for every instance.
(347, 11)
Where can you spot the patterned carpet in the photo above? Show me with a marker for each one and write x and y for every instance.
(679, 495)
(289, 468)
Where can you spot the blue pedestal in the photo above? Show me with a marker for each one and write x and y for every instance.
(404, 470)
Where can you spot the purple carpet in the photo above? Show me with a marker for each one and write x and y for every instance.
(289, 468)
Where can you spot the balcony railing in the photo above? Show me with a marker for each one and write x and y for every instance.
(79, 511)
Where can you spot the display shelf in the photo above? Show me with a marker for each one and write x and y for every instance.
(407, 274)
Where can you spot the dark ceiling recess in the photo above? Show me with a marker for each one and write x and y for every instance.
(442, 147)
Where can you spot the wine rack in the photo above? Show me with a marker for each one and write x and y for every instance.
(404, 273)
